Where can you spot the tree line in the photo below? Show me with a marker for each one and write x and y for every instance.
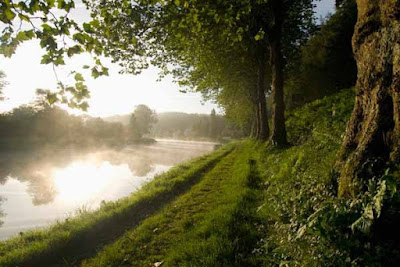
(179, 125)
(39, 124)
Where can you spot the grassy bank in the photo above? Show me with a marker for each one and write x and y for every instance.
(251, 209)
(194, 228)
(81, 236)
(247, 204)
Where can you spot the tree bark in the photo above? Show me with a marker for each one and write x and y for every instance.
(372, 137)
(278, 136)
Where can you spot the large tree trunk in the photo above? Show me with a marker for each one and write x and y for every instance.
(261, 107)
(373, 134)
(278, 136)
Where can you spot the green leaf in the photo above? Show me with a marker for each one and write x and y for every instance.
(51, 3)
(95, 73)
(46, 59)
(9, 14)
(30, 34)
(79, 37)
(79, 77)
(84, 106)
(25, 35)
(52, 98)
(74, 50)
(59, 61)
(104, 71)
(88, 28)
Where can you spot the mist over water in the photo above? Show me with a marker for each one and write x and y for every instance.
(39, 187)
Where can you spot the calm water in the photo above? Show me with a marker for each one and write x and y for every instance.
(40, 187)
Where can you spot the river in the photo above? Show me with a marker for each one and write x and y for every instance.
(38, 188)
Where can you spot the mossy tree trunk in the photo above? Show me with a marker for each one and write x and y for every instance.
(372, 137)
(278, 135)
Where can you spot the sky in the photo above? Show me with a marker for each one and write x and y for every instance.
(112, 95)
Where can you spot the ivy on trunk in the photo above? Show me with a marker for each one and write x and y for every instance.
(372, 137)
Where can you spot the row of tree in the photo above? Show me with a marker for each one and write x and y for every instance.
(234, 51)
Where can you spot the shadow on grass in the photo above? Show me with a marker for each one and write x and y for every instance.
(247, 228)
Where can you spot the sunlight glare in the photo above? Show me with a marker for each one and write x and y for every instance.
(82, 180)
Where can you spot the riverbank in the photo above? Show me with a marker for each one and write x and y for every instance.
(247, 204)
(94, 228)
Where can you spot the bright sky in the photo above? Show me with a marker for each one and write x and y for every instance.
(115, 94)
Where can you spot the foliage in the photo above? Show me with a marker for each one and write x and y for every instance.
(60, 37)
(307, 225)
(326, 63)
(210, 47)
(38, 125)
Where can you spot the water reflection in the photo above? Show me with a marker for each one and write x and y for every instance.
(40, 186)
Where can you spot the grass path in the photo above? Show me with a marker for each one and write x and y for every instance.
(197, 229)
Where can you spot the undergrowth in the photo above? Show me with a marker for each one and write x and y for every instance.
(307, 225)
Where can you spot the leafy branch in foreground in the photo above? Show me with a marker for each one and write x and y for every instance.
(60, 37)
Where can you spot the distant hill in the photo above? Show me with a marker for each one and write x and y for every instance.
(124, 119)
(176, 118)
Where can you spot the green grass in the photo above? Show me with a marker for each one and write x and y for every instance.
(298, 182)
(195, 229)
(248, 210)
